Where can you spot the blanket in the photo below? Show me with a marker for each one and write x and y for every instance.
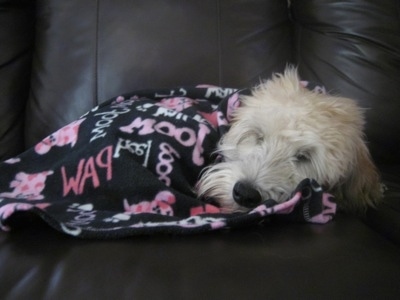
(128, 167)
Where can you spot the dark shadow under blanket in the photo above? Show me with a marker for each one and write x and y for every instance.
(128, 167)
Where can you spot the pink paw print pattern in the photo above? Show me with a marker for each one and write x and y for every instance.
(176, 103)
(160, 205)
(28, 186)
(64, 136)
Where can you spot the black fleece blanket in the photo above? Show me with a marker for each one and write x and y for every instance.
(128, 167)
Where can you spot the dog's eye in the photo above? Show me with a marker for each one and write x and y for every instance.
(251, 138)
(302, 156)
(259, 139)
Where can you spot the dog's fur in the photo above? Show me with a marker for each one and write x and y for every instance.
(284, 133)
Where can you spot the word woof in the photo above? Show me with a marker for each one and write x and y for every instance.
(107, 118)
(185, 136)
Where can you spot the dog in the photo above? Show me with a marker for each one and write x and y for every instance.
(283, 133)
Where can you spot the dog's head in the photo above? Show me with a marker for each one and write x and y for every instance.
(284, 133)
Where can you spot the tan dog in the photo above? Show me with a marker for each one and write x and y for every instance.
(284, 133)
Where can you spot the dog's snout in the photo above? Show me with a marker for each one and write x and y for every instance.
(246, 195)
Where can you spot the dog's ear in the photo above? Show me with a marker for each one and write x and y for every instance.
(362, 188)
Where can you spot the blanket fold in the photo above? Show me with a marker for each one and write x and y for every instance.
(128, 167)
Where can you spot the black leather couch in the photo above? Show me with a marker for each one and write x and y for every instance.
(60, 58)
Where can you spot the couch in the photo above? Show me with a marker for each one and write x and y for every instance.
(59, 59)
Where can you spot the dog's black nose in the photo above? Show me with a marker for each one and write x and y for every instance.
(246, 195)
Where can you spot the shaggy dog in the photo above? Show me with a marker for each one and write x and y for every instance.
(284, 133)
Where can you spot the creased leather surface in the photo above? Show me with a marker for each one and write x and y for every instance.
(85, 51)
(16, 38)
(343, 259)
(352, 47)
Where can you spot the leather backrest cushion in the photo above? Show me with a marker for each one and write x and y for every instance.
(89, 51)
(16, 39)
(353, 48)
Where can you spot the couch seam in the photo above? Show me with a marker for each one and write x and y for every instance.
(219, 41)
(96, 57)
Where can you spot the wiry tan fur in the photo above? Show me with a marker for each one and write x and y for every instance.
(284, 133)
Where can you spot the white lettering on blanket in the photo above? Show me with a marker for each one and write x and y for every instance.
(84, 214)
(219, 92)
(162, 111)
(182, 93)
(108, 117)
(139, 149)
(171, 113)
(185, 136)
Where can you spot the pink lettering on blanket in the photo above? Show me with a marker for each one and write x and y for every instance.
(128, 167)
(166, 158)
(88, 171)
(187, 137)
